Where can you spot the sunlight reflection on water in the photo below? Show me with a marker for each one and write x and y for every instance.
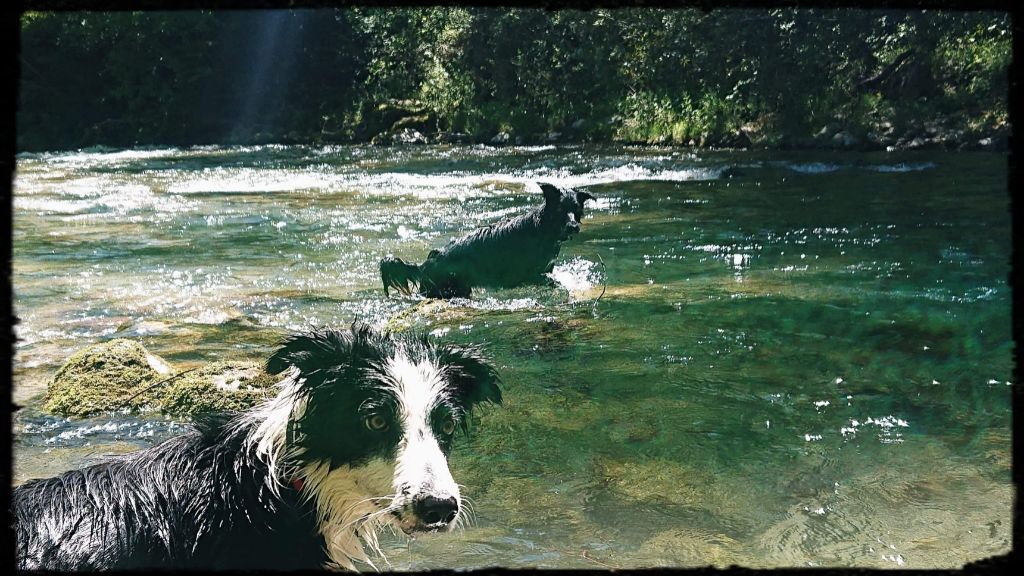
(743, 358)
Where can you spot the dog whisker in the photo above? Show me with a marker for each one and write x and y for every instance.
(372, 517)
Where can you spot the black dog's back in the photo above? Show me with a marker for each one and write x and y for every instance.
(193, 501)
(510, 253)
(503, 255)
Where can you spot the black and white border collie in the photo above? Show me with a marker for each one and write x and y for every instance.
(356, 440)
(506, 254)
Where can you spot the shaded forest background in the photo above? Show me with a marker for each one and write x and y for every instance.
(775, 78)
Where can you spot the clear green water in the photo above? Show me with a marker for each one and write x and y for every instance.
(809, 363)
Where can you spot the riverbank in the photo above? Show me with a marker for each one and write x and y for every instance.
(941, 134)
(779, 79)
(411, 122)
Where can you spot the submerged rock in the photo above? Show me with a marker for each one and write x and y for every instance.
(430, 313)
(668, 482)
(123, 375)
(524, 328)
(693, 547)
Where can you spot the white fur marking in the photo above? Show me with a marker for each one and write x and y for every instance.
(351, 506)
(270, 427)
(421, 468)
(353, 503)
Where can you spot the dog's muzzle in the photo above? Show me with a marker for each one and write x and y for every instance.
(429, 514)
(571, 227)
(436, 512)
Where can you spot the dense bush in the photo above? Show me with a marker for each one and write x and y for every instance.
(642, 75)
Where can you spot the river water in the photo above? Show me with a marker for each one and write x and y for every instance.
(755, 358)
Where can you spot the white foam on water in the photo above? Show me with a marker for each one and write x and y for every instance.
(106, 156)
(59, 183)
(914, 167)
(825, 168)
(253, 180)
(79, 196)
(810, 167)
(577, 275)
(458, 184)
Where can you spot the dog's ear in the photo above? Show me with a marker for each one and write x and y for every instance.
(473, 378)
(582, 197)
(295, 351)
(551, 194)
(304, 350)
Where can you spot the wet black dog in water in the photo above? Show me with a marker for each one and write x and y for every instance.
(357, 439)
(510, 253)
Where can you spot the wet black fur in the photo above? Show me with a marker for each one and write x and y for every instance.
(202, 500)
(513, 252)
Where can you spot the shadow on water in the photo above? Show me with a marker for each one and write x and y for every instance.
(752, 359)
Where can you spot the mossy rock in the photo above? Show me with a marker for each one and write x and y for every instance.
(432, 313)
(102, 377)
(122, 375)
(218, 387)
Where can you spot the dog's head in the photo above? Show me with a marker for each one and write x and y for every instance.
(363, 426)
(563, 209)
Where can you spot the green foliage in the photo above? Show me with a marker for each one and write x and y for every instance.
(660, 120)
(447, 87)
(972, 66)
(636, 74)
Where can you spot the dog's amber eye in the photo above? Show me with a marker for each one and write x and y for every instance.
(376, 423)
(448, 428)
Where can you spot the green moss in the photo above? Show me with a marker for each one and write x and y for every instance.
(217, 387)
(122, 374)
(424, 313)
(100, 378)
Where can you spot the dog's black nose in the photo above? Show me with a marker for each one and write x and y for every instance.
(433, 510)
(570, 229)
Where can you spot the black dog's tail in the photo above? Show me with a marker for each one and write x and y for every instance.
(399, 274)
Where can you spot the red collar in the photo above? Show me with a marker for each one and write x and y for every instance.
(298, 483)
